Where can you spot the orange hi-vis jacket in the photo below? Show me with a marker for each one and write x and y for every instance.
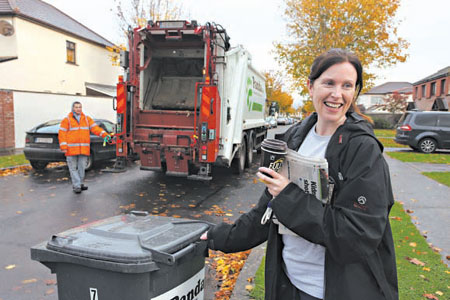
(75, 137)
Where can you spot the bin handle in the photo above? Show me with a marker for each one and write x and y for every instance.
(167, 258)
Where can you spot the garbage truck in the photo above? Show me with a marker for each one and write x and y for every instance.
(188, 101)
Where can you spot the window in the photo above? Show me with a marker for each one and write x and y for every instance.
(376, 100)
(417, 92)
(70, 47)
(444, 120)
(423, 91)
(442, 87)
(433, 89)
(426, 119)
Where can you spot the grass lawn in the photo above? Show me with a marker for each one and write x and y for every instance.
(442, 177)
(12, 160)
(389, 143)
(432, 158)
(380, 133)
(420, 269)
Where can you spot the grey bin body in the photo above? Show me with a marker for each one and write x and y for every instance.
(127, 257)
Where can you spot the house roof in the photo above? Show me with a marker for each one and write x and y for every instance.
(441, 73)
(390, 87)
(46, 14)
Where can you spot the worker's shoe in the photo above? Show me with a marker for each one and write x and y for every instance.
(84, 187)
(77, 190)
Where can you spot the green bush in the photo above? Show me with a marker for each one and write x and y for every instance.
(380, 123)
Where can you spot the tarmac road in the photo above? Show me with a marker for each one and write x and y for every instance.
(34, 206)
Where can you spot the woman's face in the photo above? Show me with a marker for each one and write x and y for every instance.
(332, 93)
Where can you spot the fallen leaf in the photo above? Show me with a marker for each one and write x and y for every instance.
(250, 279)
(32, 280)
(50, 282)
(439, 293)
(412, 244)
(415, 261)
(10, 267)
(191, 205)
(249, 287)
(426, 269)
(229, 215)
(395, 218)
(409, 211)
(19, 212)
(49, 291)
(430, 296)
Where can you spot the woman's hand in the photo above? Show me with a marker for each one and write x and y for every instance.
(275, 184)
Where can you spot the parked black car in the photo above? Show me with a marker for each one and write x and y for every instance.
(42, 145)
(424, 131)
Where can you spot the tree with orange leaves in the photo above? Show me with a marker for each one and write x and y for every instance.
(366, 27)
(275, 93)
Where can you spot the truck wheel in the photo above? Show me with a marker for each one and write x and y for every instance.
(38, 165)
(238, 163)
(250, 143)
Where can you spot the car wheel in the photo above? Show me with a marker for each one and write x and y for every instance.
(38, 165)
(238, 163)
(90, 162)
(250, 143)
(427, 145)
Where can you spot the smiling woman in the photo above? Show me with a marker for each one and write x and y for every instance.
(341, 250)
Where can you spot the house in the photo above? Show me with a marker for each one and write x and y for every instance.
(378, 94)
(432, 92)
(47, 61)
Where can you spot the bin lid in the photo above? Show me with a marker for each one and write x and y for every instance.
(129, 238)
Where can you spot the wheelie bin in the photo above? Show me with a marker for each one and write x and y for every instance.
(135, 256)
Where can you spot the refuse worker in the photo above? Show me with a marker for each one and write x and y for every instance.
(74, 141)
(338, 251)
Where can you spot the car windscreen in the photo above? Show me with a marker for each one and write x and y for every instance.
(49, 127)
(426, 119)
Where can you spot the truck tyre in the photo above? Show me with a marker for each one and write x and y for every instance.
(250, 145)
(238, 163)
(38, 165)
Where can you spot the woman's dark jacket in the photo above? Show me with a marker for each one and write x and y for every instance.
(354, 228)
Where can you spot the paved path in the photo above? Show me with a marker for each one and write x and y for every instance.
(429, 200)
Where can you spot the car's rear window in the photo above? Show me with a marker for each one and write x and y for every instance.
(444, 120)
(404, 119)
(426, 119)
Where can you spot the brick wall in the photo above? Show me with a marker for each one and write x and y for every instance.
(7, 137)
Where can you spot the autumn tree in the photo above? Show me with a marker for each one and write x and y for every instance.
(307, 108)
(394, 103)
(136, 13)
(275, 93)
(366, 27)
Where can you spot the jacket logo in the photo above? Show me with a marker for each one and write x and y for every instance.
(362, 200)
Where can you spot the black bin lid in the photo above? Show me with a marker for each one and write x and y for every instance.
(132, 238)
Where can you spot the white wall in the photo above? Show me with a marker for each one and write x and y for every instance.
(42, 64)
(32, 109)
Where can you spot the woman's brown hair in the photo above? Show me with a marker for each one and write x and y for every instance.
(337, 56)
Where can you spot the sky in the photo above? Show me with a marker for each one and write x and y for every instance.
(257, 24)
